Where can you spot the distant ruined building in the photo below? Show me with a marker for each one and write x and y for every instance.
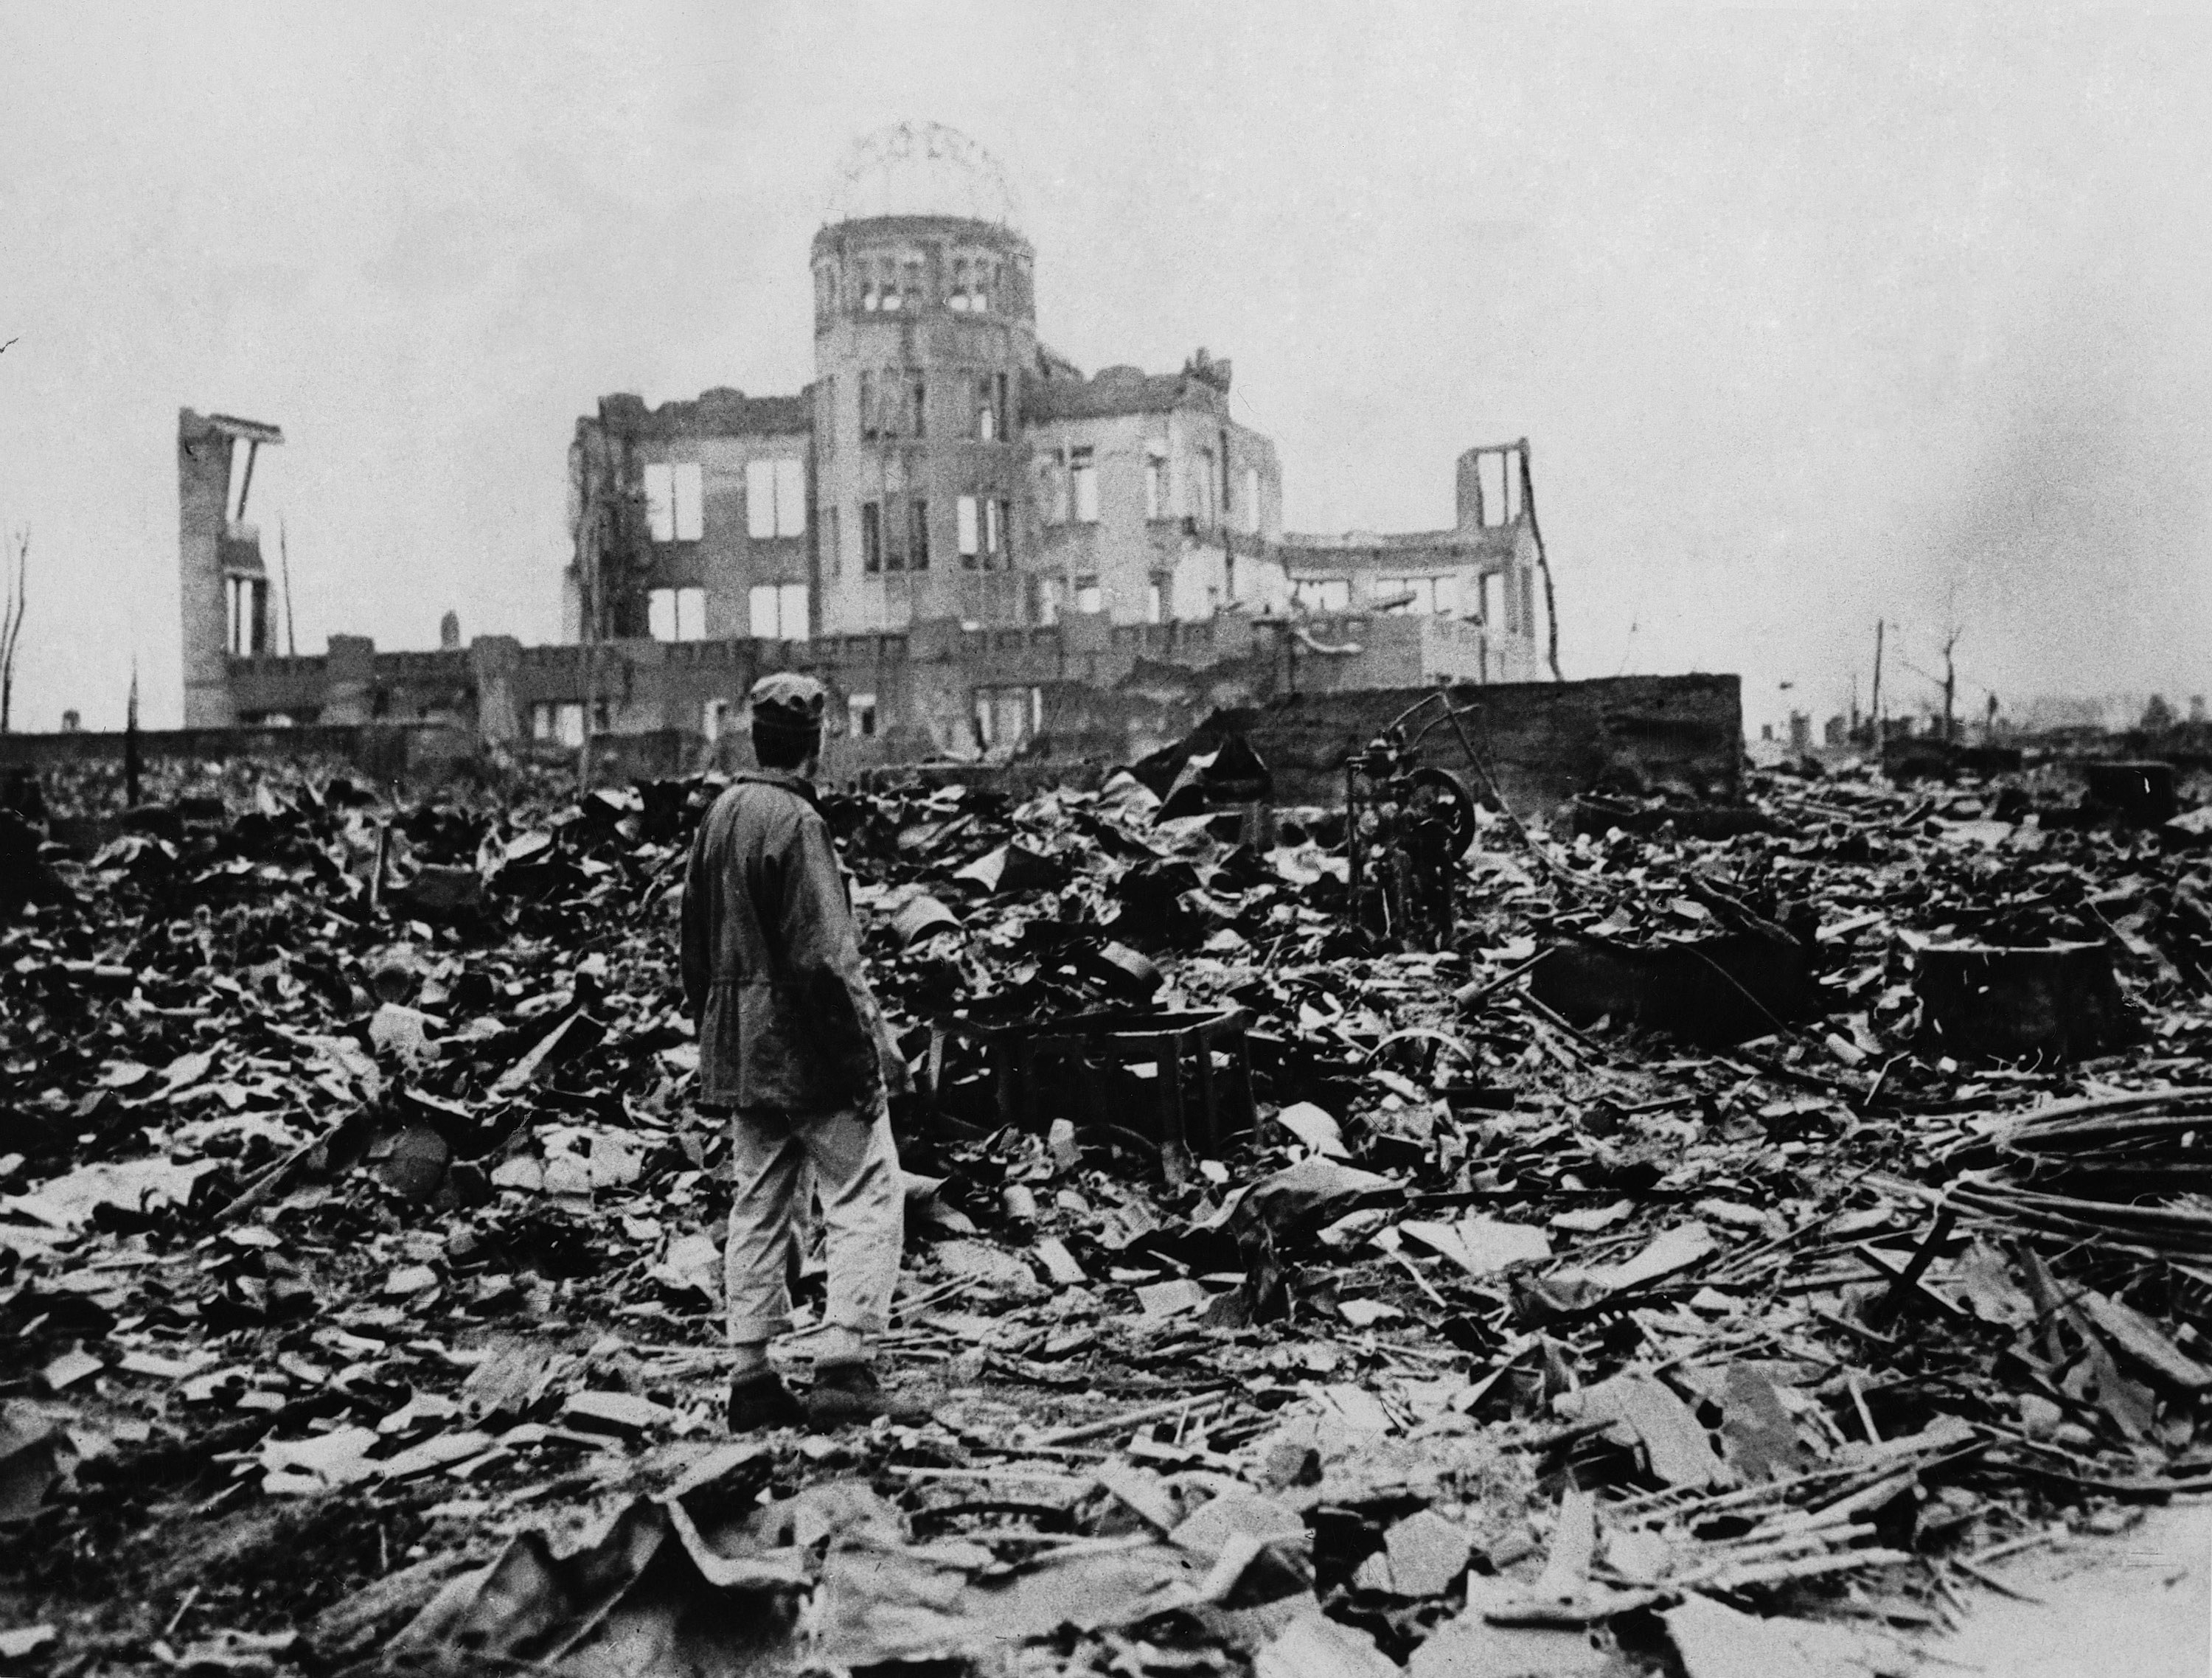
(980, 551)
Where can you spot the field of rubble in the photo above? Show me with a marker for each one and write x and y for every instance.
(1681, 1266)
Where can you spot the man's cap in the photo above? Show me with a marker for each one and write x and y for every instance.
(788, 700)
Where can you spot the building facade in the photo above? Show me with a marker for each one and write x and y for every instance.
(946, 466)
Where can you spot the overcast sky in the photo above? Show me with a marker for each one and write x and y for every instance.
(1812, 316)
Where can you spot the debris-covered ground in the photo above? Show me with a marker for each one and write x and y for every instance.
(1658, 1275)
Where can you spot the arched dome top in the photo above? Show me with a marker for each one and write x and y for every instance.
(921, 169)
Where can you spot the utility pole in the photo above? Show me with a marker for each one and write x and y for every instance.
(12, 599)
(130, 743)
(1950, 684)
(284, 559)
(1875, 708)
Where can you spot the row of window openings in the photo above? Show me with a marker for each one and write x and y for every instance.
(561, 722)
(775, 500)
(980, 525)
(715, 715)
(885, 285)
(774, 611)
(895, 403)
(1086, 596)
(1436, 596)
(1072, 488)
(778, 611)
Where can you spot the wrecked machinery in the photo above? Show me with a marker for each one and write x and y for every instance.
(1406, 825)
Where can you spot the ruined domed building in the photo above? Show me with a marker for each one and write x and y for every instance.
(979, 548)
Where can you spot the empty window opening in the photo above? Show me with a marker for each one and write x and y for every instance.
(917, 545)
(1088, 596)
(1324, 593)
(957, 301)
(1493, 600)
(990, 400)
(1083, 470)
(861, 716)
(713, 718)
(981, 521)
(1490, 481)
(676, 614)
(1055, 488)
(1008, 717)
(1156, 599)
(871, 536)
(892, 403)
(672, 501)
(557, 723)
(1207, 492)
(1252, 500)
(776, 498)
(1156, 481)
(777, 611)
(249, 615)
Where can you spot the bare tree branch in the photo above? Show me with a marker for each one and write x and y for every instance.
(12, 604)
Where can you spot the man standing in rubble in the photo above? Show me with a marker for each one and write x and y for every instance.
(794, 1052)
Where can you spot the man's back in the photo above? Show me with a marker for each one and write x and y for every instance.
(771, 964)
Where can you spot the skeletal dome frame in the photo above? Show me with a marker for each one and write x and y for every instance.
(922, 169)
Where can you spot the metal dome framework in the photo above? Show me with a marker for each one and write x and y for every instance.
(922, 169)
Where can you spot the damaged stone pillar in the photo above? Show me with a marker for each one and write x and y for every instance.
(493, 662)
(349, 690)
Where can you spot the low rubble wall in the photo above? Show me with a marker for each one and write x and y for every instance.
(383, 752)
(1545, 743)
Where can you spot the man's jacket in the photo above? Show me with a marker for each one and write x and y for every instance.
(771, 965)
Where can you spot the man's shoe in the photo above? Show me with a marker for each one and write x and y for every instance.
(761, 1402)
(845, 1393)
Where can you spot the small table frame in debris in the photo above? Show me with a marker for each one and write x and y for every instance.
(1180, 1045)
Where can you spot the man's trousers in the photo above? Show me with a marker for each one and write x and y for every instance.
(855, 1170)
